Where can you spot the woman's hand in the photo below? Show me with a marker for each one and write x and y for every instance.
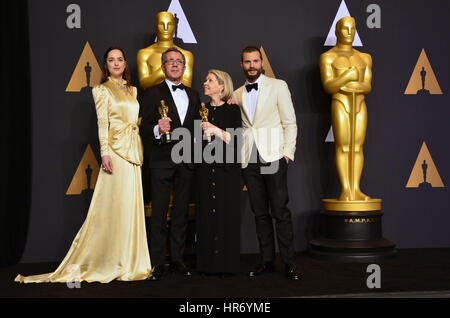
(210, 129)
(107, 164)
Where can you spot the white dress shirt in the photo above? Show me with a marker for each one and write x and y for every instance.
(181, 101)
(250, 99)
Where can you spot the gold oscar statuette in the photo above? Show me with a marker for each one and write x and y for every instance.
(204, 114)
(149, 68)
(351, 225)
(163, 111)
(347, 74)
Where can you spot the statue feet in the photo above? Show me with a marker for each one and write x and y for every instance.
(346, 195)
(361, 196)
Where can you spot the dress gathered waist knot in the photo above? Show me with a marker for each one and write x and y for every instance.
(125, 141)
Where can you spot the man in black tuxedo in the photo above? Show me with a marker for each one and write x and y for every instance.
(183, 103)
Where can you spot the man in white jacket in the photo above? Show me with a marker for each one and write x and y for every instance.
(269, 124)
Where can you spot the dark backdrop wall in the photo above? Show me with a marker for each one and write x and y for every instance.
(293, 34)
(15, 140)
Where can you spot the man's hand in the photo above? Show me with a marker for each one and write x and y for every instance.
(164, 125)
(287, 159)
(230, 101)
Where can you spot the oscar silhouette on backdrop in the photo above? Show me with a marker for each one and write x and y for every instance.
(425, 184)
(88, 70)
(177, 21)
(88, 176)
(423, 91)
(88, 191)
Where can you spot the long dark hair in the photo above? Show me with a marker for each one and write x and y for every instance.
(126, 72)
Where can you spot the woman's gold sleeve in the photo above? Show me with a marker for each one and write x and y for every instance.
(101, 99)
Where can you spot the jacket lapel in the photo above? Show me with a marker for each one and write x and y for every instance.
(167, 96)
(262, 96)
(190, 114)
(240, 101)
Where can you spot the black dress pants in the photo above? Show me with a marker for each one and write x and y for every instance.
(270, 190)
(162, 180)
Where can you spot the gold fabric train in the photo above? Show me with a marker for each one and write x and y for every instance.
(112, 243)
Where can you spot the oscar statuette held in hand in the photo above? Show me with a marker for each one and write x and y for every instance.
(163, 111)
(204, 114)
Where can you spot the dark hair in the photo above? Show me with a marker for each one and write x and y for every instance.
(250, 49)
(172, 49)
(126, 72)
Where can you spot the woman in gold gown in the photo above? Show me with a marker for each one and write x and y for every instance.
(112, 243)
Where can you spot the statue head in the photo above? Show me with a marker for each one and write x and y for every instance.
(345, 30)
(164, 25)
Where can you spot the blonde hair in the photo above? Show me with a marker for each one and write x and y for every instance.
(224, 79)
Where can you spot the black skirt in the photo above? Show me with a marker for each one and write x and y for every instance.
(218, 218)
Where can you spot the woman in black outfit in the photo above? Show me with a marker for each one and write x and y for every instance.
(218, 182)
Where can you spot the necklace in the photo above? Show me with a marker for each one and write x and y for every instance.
(219, 104)
(123, 87)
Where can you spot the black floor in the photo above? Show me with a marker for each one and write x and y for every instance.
(413, 271)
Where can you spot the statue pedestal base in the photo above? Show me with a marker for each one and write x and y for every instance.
(350, 231)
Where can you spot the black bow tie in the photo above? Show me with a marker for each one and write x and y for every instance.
(249, 87)
(174, 87)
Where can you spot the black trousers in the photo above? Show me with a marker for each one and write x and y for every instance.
(270, 190)
(162, 180)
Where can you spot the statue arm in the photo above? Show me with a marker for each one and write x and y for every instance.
(187, 76)
(147, 78)
(332, 84)
(366, 85)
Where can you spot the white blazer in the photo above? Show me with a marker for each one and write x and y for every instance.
(274, 127)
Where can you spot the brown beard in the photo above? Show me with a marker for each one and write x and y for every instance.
(251, 78)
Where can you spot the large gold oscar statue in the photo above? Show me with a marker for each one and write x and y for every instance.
(350, 226)
(149, 58)
(347, 74)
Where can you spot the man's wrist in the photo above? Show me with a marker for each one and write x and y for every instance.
(156, 132)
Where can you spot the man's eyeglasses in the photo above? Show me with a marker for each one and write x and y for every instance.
(171, 61)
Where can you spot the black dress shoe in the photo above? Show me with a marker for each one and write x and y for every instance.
(157, 273)
(266, 268)
(291, 272)
(180, 268)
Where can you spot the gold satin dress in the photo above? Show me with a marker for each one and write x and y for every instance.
(112, 243)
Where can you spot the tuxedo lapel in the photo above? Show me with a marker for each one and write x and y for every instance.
(167, 96)
(240, 101)
(262, 96)
(191, 107)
